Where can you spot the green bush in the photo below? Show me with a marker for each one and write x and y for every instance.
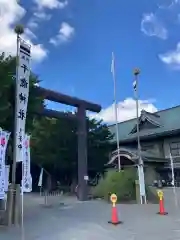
(121, 183)
(151, 195)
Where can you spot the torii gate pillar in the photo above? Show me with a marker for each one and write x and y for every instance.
(82, 155)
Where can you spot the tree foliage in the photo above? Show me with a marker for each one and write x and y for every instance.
(7, 95)
(98, 144)
(57, 140)
(121, 183)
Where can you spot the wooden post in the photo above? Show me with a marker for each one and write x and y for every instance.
(10, 200)
(137, 191)
(13, 216)
(17, 208)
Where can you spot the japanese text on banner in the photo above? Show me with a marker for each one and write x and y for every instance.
(22, 96)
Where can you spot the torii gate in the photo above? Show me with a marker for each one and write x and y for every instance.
(82, 106)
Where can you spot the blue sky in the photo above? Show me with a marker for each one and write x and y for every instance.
(141, 33)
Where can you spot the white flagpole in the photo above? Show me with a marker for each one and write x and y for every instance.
(22, 193)
(115, 109)
(22, 202)
(140, 163)
(173, 179)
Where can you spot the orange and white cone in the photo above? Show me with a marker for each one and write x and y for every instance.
(114, 218)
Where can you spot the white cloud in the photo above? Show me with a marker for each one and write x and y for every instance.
(172, 58)
(11, 13)
(65, 34)
(151, 26)
(126, 110)
(39, 52)
(51, 4)
(29, 33)
(32, 24)
(167, 4)
(38, 17)
(42, 16)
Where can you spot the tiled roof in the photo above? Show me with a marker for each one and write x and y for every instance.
(169, 120)
(147, 156)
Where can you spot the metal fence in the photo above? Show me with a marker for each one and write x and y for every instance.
(51, 198)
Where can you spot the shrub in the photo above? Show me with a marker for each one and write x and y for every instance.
(122, 184)
(151, 195)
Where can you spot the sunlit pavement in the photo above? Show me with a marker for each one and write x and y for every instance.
(89, 220)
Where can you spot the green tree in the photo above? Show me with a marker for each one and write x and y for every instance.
(7, 95)
(54, 145)
(99, 145)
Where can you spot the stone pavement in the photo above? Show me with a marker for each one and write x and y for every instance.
(88, 220)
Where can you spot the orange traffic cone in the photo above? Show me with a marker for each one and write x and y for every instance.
(161, 208)
(115, 220)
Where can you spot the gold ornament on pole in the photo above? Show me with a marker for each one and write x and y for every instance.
(19, 29)
(136, 71)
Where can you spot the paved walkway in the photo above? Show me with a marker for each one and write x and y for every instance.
(88, 220)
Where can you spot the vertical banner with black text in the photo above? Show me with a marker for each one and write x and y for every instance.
(22, 95)
(26, 169)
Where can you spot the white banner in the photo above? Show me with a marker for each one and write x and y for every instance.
(22, 96)
(4, 137)
(172, 169)
(40, 178)
(141, 181)
(26, 167)
(7, 170)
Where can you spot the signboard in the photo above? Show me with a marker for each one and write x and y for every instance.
(22, 85)
(113, 199)
(86, 178)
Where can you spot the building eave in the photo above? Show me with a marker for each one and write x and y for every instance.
(147, 118)
(151, 136)
(132, 154)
